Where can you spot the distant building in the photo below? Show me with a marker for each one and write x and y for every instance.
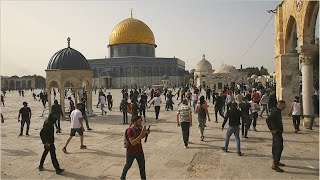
(132, 59)
(225, 75)
(17, 83)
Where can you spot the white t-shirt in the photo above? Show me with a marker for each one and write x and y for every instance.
(296, 109)
(195, 97)
(156, 101)
(102, 99)
(74, 116)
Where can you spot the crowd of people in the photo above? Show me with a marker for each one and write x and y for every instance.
(240, 107)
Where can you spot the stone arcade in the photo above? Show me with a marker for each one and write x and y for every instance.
(295, 38)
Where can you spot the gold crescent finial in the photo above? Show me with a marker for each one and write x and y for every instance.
(68, 39)
(131, 12)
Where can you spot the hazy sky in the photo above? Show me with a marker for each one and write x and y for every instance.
(32, 31)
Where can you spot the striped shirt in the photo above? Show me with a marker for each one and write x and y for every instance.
(184, 112)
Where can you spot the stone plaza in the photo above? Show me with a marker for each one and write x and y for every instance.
(165, 156)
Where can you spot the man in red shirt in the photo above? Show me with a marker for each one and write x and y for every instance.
(255, 96)
(134, 150)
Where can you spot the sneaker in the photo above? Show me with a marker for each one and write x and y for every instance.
(59, 171)
(245, 138)
(224, 149)
(89, 129)
(239, 154)
(296, 131)
(83, 147)
(27, 135)
(40, 168)
(186, 147)
(202, 137)
(280, 164)
(20, 135)
(64, 149)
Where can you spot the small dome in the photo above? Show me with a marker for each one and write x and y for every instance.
(130, 31)
(68, 59)
(204, 65)
(254, 76)
(226, 69)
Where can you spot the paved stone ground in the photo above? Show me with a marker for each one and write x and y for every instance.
(165, 156)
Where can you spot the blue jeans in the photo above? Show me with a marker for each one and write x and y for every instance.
(233, 130)
(57, 124)
(194, 104)
(141, 163)
(84, 116)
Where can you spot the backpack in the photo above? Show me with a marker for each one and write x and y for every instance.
(126, 141)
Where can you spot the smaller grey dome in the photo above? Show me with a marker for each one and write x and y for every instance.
(226, 69)
(68, 59)
(204, 65)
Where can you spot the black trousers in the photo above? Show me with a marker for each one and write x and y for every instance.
(296, 121)
(255, 116)
(129, 161)
(157, 110)
(54, 160)
(277, 146)
(185, 126)
(216, 110)
(110, 104)
(143, 112)
(245, 125)
(125, 117)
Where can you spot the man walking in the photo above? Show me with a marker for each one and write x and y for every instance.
(76, 126)
(264, 103)
(218, 106)
(71, 107)
(25, 113)
(56, 108)
(143, 105)
(274, 122)
(134, 134)
(84, 113)
(246, 110)
(233, 115)
(110, 101)
(124, 110)
(102, 100)
(156, 101)
(47, 137)
(184, 118)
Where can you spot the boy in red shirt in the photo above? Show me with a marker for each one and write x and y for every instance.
(134, 150)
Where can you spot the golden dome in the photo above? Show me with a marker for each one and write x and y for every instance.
(131, 31)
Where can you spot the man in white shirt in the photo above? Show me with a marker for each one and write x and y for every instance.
(156, 101)
(75, 126)
(102, 100)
